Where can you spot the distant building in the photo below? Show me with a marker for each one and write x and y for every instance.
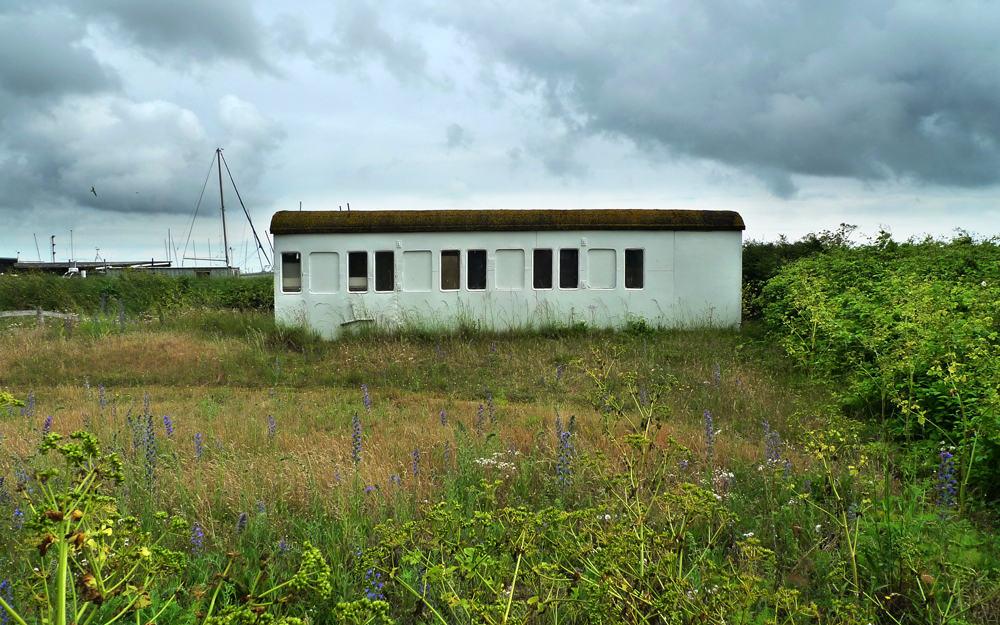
(507, 268)
(83, 268)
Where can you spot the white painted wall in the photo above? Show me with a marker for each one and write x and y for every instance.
(691, 278)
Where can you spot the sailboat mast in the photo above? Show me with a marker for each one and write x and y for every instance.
(225, 239)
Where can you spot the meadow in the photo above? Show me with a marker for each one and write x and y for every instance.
(232, 471)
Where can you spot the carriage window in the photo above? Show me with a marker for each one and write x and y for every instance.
(633, 269)
(385, 272)
(569, 269)
(324, 272)
(510, 270)
(541, 261)
(602, 269)
(291, 272)
(357, 271)
(450, 268)
(476, 269)
(417, 271)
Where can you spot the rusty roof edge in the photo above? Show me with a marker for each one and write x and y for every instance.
(330, 222)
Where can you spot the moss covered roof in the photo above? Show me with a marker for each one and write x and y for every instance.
(328, 222)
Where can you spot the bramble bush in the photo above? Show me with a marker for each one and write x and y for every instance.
(910, 333)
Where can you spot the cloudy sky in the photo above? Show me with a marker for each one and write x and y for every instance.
(799, 114)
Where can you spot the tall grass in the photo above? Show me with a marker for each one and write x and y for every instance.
(691, 476)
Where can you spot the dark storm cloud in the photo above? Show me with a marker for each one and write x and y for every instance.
(40, 56)
(185, 30)
(66, 124)
(148, 157)
(866, 89)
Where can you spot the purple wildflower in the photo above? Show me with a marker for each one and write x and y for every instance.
(168, 425)
(47, 427)
(946, 485)
(416, 462)
(772, 444)
(710, 433)
(199, 447)
(8, 596)
(197, 538)
(366, 398)
(565, 452)
(29, 406)
(558, 373)
(490, 407)
(444, 419)
(272, 427)
(479, 421)
(373, 585)
(241, 523)
(149, 442)
(356, 441)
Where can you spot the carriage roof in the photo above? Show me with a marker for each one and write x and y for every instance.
(341, 222)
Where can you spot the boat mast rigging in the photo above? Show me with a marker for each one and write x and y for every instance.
(222, 202)
(219, 161)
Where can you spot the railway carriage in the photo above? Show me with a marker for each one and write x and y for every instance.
(504, 269)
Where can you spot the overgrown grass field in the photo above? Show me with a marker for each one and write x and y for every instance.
(231, 471)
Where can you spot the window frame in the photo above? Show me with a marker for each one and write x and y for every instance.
(375, 268)
(298, 256)
(534, 268)
(469, 268)
(642, 269)
(576, 284)
(457, 254)
(367, 277)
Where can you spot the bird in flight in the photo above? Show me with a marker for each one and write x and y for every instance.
(94, 191)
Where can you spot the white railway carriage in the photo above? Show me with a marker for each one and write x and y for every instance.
(500, 269)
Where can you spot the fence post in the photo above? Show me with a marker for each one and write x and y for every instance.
(38, 312)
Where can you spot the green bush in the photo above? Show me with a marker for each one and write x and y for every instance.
(762, 260)
(140, 292)
(910, 332)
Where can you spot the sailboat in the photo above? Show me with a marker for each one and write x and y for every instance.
(217, 163)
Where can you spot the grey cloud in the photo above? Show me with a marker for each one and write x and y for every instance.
(41, 56)
(141, 157)
(251, 137)
(515, 158)
(184, 30)
(558, 155)
(864, 89)
(356, 38)
(457, 137)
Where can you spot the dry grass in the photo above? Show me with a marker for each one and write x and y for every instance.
(308, 462)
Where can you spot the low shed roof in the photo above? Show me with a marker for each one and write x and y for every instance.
(329, 222)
